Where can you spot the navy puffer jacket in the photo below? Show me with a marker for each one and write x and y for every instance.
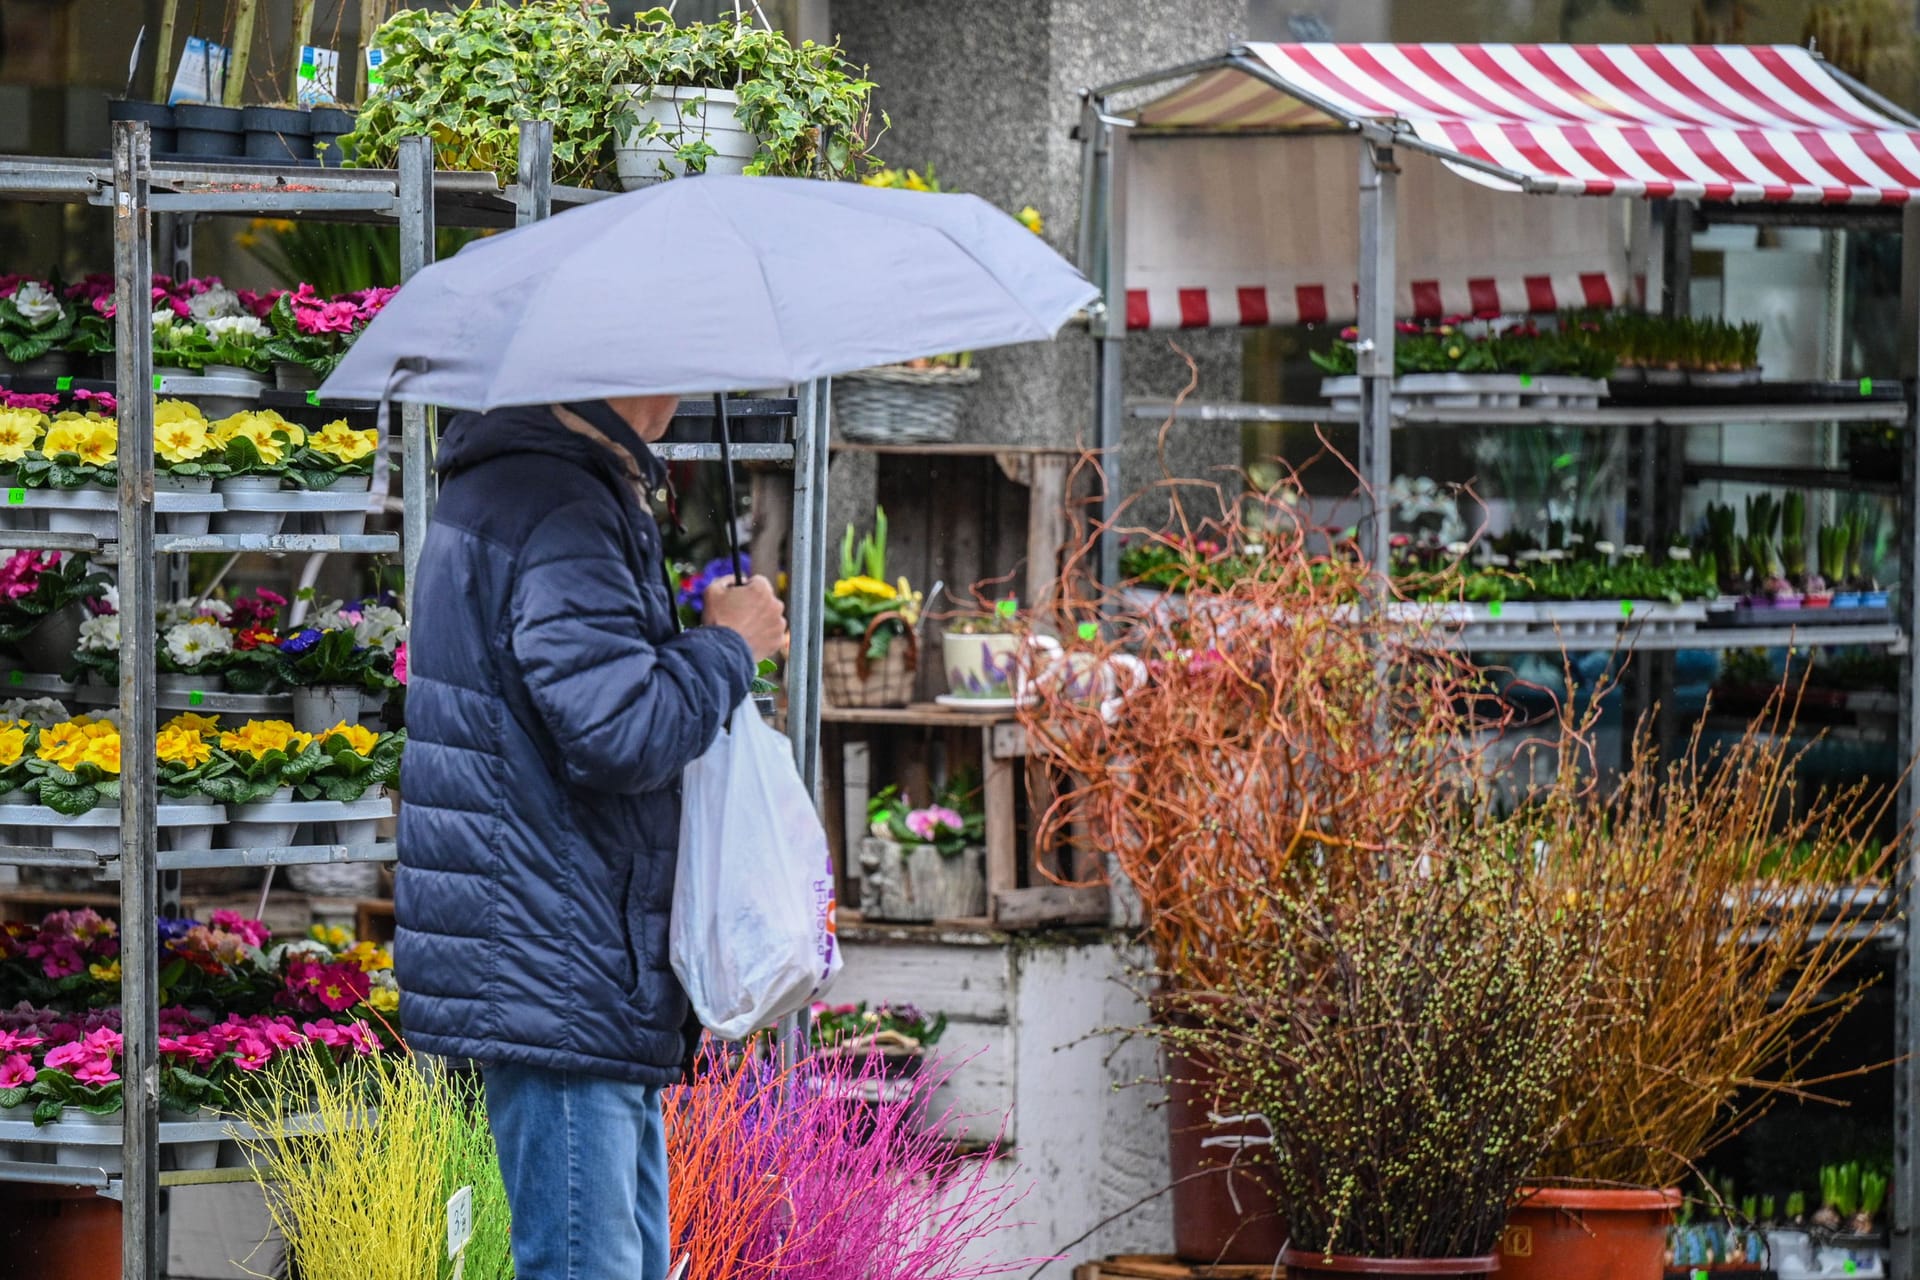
(550, 709)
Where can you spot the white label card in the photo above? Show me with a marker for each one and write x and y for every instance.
(202, 73)
(459, 1221)
(319, 76)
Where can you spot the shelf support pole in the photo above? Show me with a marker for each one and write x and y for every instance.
(417, 221)
(1110, 326)
(809, 581)
(141, 1251)
(1905, 1209)
(1379, 232)
(533, 187)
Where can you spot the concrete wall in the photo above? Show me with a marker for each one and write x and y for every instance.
(987, 93)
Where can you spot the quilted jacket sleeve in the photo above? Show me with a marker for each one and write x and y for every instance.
(628, 715)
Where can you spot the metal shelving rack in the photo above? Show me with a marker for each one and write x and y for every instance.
(1656, 476)
(135, 187)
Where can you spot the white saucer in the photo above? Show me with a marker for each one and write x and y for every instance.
(959, 703)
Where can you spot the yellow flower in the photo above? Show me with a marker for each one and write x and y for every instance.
(108, 972)
(341, 442)
(359, 738)
(270, 434)
(257, 737)
(193, 721)
(182, 441)
(384, 999)
(63, 744)
(183, 747)
(65, 436)
(369, 956)
(1030, 218)
(872, 588)
(13, 745)
(103, 753)
(20, 430)
(168, 412)
(100, 443)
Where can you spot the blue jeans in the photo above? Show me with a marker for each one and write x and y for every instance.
(585, 1162)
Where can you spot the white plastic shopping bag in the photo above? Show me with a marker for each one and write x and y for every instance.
(752, 935)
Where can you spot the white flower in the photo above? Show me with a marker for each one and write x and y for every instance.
(215, 303)
(192, 643)
(1680, 553)
(42, 713)
(1633, 550)
(1604, 548)
(111, 599)
(1458, 549)
(36, 304)
(176, 612)
(164, 318)
(327, 617)
(100, 634)
(382, 626)
(241, 330)
(298, 947)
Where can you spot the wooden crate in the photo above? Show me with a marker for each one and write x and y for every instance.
(1159, 1267)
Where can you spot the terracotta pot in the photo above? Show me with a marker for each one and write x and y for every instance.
(1302, 1264)
(58, 1233)
(1588, 1235)
(1228, 1216)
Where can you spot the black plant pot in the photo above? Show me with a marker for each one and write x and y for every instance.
(212, 132)
(279, 135)
(159, 118)
(329, 124)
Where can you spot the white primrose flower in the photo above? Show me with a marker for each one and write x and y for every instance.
(382, 626)
(242, 330)
(215, 304)
(192, 643)
(36, 304)
(100, 634)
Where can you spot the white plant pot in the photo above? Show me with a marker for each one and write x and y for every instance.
(318, 708)
(238, 374)
(49, 646)
(83, 1140)
(252, 505)
(685, 115)
(982, 666)
(190, 523)
(189, 682)
(203, 1154)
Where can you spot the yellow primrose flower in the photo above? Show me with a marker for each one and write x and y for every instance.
(338, 440)
(103, 753)
(20, 430)
(182, 441)
(369, 956)
(185, 747)
(62, 744)
(64, 436)
(384, 1000)
(359, 738)
(13, 745)
(194, 721)
(168, 412)
(94, 440)
(862, 585)
(108, 972)
(257, 737)
(1030, 218)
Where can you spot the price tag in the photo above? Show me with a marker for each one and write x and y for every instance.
(16, 677)
(156, 382)
(1089, 630)
(195, 697)
(1526, 379)
(63, 383)
(1494, 608)
(459, 1221)
(1007, 608)
(1626, 608)
(313, 398)
(1866, 386)
(17, 497)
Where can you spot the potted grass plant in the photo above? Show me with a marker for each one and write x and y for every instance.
(1720, 960)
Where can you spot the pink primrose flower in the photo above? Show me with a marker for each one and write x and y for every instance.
(96, 1071)
(45, 402)
(330, 1034)
(251, 1053)
(280, 1033)
(929, 823)
(66, 1055)
(252, 932)
(342, 986)
(362, 1037)
(9, 283)
(103, 1040)
(16, 1071)
(15, 1041)
(400, 662)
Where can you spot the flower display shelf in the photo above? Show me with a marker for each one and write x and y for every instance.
(1474, 391)
(96, 833)
(201, 1142)
(341, 511)
(46, 684)
(97, 511)
(1747, 615)
(262, 706)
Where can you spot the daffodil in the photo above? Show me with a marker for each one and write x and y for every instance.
(870, 588)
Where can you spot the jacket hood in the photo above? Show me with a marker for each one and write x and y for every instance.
(473, 438)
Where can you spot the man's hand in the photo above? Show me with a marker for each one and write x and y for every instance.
(751, 609)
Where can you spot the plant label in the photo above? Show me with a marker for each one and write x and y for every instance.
(202, 73)
(319, 76)
(459, 1222)
(376, 78)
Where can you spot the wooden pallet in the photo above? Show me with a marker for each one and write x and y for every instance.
(1162, 1267)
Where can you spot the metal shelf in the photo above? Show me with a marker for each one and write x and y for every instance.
(196, 543)
(1798, 477)
(1712, 639)
(1893, 412)
(711, 452)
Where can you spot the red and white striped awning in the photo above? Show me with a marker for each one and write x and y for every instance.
(1708, 122)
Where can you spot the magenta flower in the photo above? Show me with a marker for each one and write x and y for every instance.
(45, 402)
(103, 401)
(14, 1041)
(400, 662)
(251, 1053)
(67, 1055)
(16, 1071)
(361, 1036)
(330, 1034)
(251, 932)
(931, 823)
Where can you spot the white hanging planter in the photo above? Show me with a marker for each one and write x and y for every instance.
(685, 115)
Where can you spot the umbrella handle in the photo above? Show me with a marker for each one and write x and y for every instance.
(732, 520)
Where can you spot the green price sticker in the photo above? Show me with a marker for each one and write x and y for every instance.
(1493, 608)
(306, 71)
(1626, 608)
(1007, 608)
(16, 677)
(16, 497)
(1700, 1273)
(1866, 386)
(1526, 379)
(63, 383)
(1089, 630)
(313, 398)
(156, 382)
(195, 698)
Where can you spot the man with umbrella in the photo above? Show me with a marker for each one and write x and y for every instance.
(551, 707)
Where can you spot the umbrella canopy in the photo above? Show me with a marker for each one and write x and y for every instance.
(711, 283)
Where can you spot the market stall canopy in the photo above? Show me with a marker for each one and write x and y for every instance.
(1710, 123)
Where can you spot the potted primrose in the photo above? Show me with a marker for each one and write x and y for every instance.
(928, 863)
(872, 648)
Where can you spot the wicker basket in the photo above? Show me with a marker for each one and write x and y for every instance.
(897, 405)
(850, 679)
